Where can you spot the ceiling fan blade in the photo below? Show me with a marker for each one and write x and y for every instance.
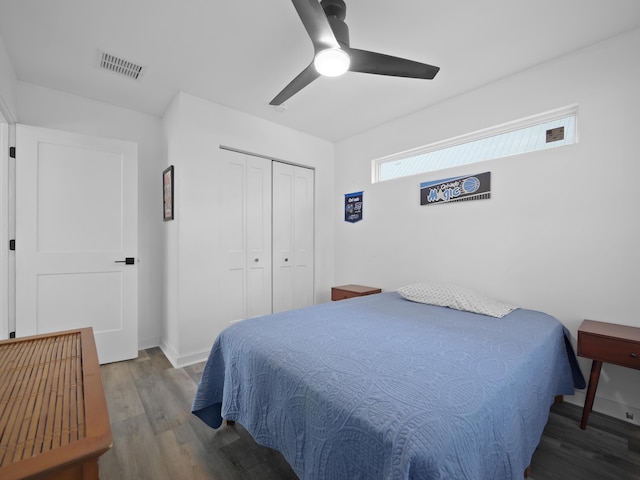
(381, 64)
(315, 21)
(305, 77)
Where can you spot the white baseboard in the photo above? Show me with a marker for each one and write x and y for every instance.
(608, 407)
(190, 359)
(180, 361)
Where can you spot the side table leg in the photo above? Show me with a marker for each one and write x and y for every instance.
(596, 366)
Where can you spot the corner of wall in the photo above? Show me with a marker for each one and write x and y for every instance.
(169, 352)
(169, 331)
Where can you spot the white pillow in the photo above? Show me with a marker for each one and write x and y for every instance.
(453, 296)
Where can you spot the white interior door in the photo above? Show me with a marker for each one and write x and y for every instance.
(293, 224)
(76, 219)
(246, 235)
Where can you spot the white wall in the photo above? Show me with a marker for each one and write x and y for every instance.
(44, 107)
(561, 231)
(195, 129)
(8, 82)
(169, 327)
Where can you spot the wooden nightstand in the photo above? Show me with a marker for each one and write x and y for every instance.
(606, 342)
(350, 291)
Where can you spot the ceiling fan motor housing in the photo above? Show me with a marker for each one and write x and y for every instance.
(336, 11)
(334, 8)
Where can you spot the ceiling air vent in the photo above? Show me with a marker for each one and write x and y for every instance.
(120, 66)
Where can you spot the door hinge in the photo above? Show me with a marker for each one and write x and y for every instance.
(12, 334)
(12, 152)
(12, 244)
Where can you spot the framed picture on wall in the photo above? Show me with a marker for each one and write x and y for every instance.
(167, 193)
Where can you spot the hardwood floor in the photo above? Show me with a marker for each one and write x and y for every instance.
(156, 437)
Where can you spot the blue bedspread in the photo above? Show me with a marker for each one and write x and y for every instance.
(379, 387)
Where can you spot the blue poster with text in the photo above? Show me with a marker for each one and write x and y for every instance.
(353, 207)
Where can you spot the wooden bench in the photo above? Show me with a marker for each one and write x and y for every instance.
(54, 422)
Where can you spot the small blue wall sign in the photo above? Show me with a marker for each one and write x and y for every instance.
(456, 189)
(353, 207)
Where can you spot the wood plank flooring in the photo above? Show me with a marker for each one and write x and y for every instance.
(156, 437)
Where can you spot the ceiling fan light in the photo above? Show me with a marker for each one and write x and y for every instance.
(332, 62)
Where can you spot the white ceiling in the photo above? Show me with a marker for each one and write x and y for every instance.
(241, 53)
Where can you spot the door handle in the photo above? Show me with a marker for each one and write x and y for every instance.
(127, 261)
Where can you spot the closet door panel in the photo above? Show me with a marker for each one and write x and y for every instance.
(283, 228)
(303, 236)
(293, 229)
(245, 233)
(233, 236)
(258, 237)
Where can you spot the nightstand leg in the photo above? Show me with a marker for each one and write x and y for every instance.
(596, 366)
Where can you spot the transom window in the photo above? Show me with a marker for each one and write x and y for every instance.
(548, 130)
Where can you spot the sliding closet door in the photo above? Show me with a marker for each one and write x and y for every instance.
(293, 206)
(245, 231)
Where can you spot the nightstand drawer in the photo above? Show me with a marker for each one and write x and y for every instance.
(610, 350)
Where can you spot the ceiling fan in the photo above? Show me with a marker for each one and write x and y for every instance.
(334, 56)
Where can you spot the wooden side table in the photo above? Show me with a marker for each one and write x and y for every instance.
(350, 291)
(54, 422)
(606, 342)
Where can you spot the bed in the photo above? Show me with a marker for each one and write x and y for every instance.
(385, 387)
